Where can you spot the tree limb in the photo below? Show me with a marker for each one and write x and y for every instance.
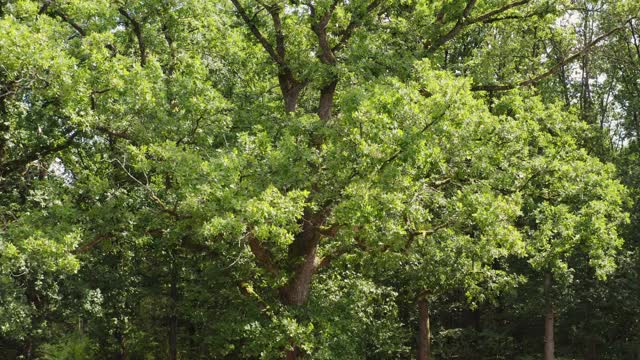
(263, 256)
(553, 70)
(137, 30)
(465, 21)
(320, 29)
(14, 165)
(354, 23)
(457, 28)
(258, 35)
(65, 18)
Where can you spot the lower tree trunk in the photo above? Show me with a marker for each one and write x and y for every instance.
(27, 351)
(591, 352)
(302, 251)
(298, 289)
(122, 353)
(549, 344)
(424, 331)
(173, 320)
(294, 353)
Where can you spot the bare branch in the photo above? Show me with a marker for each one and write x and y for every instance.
(465, 21)
(152, 194)
(553, 70)
(326, 260)
(82, 32)
(73, 24)
(90, 245)
(113, 133)
(413, 234)
(490, 15)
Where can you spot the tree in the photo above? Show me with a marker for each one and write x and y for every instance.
(264, 154)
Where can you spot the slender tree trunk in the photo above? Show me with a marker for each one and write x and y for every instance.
(28, 350)
(122, 353)
(173, 320)
(549, 343)
(585, 95)
(424, 330)
(477, 320)
(591, 352)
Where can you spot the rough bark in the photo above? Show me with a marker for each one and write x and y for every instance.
(303, 254)
(291, 89)
(326, 100)
(549, 343)
(424, 331)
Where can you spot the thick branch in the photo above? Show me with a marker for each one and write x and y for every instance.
(82, 32)
(137, 30)
(465, 21)
(263, 256)
(488, 17)
(90, 245)
(114, 133)
(16, 164)
(457, 28)
(73, 24)
(274, 11)
(553, 70)
(257, 34)
(320, 29)
(352, 26)
(326, 260)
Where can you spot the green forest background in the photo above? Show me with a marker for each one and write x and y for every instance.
(319, 179)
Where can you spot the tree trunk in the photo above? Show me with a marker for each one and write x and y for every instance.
(291, 89)
(173, 320)
(424, 331)
(303, 251)
(591, 352)
(549, 344)
(122, 353)
(294, 353)
(297, 290)
(303, 256)
(326, 100)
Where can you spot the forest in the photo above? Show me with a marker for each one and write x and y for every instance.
(320, 179)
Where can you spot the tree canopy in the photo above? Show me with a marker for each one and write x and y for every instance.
(322, 179)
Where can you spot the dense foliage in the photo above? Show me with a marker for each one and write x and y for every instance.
(321, 179)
